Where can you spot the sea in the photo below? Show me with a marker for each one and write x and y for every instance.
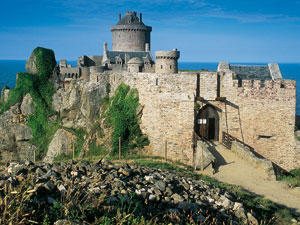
(291, 71)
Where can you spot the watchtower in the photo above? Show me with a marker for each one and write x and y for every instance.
(167, 61)
(130, 34)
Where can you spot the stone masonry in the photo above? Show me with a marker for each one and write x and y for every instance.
(253, 104)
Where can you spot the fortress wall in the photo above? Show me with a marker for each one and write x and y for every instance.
(208, 85)
(264, 118)
(168, 112)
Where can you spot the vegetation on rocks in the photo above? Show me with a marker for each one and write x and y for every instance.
(122, 116)
(41, 90)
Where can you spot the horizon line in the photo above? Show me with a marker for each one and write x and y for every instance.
(230, 62)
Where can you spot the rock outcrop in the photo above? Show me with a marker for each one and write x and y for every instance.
(31, 65)
(61, 143)
(79, 103)
(15, 136)
(27, 106)
(208, 157)
(41, 62)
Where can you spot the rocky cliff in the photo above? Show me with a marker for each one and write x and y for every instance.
(41, 113)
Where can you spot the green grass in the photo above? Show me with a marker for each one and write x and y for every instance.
(121, 116)
(292, 178)
(95, 153)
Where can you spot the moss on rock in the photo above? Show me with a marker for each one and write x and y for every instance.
(41, 62)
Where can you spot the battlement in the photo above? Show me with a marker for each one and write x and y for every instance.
(264, 84)
(174, 54)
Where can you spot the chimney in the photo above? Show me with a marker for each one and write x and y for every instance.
(120, 17)
(105, 47)
(141, 18)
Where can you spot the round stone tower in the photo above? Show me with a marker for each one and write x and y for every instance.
(167, 61)
(130, 34)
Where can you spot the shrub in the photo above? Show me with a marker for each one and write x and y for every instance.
(121, 115)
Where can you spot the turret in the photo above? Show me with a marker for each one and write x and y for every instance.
(167, 61)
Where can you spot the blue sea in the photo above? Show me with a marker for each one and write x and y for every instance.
(9, 68)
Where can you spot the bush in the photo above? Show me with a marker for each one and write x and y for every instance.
(121, 115)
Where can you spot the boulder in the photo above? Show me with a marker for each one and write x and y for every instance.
(31, 65)
(208, 157)
(79, 103)
(14, 137)
(27, 106)
(91, 95)
(22, 132)
(60, 143)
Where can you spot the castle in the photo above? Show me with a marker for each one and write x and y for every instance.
(252, 105)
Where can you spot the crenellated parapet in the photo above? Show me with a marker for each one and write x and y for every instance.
(265, 84)
(278, 90)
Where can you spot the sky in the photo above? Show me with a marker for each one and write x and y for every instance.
(203, 31)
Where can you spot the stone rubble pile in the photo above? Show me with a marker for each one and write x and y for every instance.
(161, 192)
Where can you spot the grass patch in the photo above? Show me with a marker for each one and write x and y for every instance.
(292, 178)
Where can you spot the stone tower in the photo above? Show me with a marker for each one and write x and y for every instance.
(130, 34)
(167, 61)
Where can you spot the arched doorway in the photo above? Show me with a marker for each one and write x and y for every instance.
(207, 123)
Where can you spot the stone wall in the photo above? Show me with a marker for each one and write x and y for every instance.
(261, 116)
(168, 113)
(208, 85)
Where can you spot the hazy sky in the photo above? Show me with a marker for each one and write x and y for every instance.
(204, 31)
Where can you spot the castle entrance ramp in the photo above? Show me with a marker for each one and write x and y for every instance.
(233, 169)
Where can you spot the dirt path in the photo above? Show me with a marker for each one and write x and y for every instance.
(239, 172)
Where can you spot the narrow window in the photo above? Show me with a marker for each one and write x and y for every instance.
(240, 82)
(264, 136)
(161, 66)
(156, 81)
(170, 66)
(218, 85)
(252, 83)
(282, 85)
